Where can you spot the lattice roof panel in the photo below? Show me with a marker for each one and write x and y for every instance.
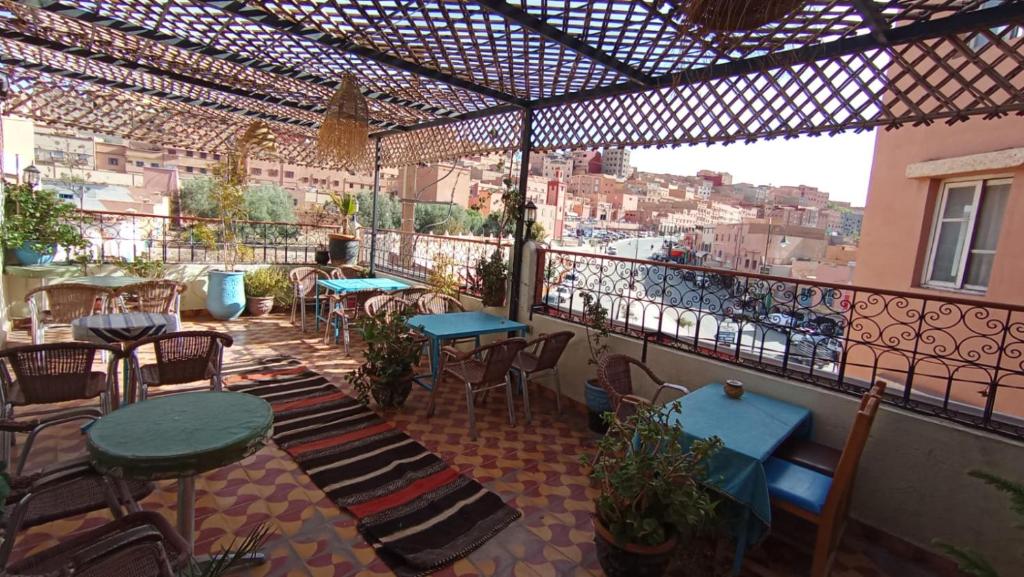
(448, 77)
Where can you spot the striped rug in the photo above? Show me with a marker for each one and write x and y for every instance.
(418, 513)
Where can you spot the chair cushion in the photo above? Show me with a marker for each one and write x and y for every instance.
(797, 485)
(814, 456)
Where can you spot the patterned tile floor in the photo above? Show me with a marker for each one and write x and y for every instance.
(535, 467)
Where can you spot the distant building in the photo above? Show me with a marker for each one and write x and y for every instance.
(586, 162)
(850, 222)
(716, 178)
(615, 161)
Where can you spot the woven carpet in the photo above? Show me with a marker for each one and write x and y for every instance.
(417, 512)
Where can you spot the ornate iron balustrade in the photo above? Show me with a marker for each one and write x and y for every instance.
(958, 359)
(414, 255)
(175, 240)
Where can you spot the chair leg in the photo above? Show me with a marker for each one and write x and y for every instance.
(302, 313)
(824, 543)
(469, 408)
(345, 337)
(295, 301)
(558, 391)
(524, 380)
(510, 399)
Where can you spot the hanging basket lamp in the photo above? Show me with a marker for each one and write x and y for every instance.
(737, 15)
(344, 132)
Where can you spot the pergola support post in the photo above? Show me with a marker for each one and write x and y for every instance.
(517, 248)
(373, 210)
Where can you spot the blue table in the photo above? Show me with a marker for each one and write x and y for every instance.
(355, 285)
(448, 326)
(751, 428)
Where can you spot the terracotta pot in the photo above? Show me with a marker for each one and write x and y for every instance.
(629, 560)
(259, 306)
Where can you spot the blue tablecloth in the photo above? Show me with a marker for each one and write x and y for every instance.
(353, 285)
(751, 428)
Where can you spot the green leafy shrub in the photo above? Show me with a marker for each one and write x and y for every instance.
(492, 276)
(142, 266)
(970, 561)
(391, 353)
(268, 282)
(39, 218)
(651, 487)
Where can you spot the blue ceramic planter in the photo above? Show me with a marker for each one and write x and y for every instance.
(598, 403)
(225, 294)
(28, 256)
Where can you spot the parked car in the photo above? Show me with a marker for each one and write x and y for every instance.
(611, 251)
(783, 320)
(822, 349)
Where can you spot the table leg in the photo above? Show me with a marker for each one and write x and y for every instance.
(187, 511)
(741, 544)
(435, 372)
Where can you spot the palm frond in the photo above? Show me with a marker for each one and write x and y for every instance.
(969, 560)
(228, 559)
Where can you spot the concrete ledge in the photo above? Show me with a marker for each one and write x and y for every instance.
(999, 160)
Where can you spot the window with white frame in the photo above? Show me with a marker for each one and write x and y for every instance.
(968, 218)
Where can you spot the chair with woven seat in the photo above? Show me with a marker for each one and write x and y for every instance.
(614, 374)
(541, 355)
(141, 544)
(431, 303)
(347, 271)
(304, 290)
(64, 303)
(482, 370)
(412, 294)
(34, 375)
(181, 357)
(815, 456)
(390, 303)
(154, 296)
(820, 499)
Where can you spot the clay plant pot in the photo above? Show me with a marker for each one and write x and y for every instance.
(343, 249)
(322, 257)
(629, 560)
(259, 306)
(225, 294)
(598, 404)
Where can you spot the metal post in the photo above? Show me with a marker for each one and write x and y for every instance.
(373, 218)
(517, 249)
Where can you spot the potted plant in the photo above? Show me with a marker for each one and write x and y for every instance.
(441, 278)
(391, 353)
(344, 247)
(651, 493)
(142, 266)
(263, 287)
(36, 222)
(595, 323)
(492, 274)
(318, 217)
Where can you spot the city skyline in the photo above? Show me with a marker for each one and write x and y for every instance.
(772, 162)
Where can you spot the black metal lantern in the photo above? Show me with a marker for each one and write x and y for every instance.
(31, 175)
(530, 214)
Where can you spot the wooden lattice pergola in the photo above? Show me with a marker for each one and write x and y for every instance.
(446, 79)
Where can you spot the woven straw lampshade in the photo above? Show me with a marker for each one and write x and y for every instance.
(344, 131)
(737, 15)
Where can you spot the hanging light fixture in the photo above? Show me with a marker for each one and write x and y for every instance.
(344, 132)
(737, 15)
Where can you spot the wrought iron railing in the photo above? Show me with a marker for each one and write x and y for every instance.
(124, 235)
(958, 359)
(414, 255)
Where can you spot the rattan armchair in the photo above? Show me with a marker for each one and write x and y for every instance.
(392, 304)
(304, 290)
(141, 544)
(154, 296)
(438, 304)
(181, 357)
(615, 377)
(33, 375)
(347, 271)
(63, 304)
(541, 355)
(481, 370)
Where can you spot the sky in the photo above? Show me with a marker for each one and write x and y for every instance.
(839, 165)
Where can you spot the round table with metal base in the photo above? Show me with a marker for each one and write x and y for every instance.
(178, 437)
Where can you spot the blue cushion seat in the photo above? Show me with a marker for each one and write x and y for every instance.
(797, 485)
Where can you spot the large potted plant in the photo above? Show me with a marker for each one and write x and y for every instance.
(651, 496)
(595, 323)
(36, 223)
(263, 287)
(344, 247)
(391, 353)
(492, 274)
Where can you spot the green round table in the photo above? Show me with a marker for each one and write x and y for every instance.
(177, 437)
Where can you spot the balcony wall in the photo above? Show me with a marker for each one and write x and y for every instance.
(912, 481)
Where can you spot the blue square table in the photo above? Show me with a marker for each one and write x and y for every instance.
(355, 285)
(447, 326)
(751, 428)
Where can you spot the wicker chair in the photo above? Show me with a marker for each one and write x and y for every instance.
(438, 304)
(65, 490)
(65, 303)
(48, 374)
(155, 296)
(541, 355)
(141, 544)
(341, 313)
(390, 303)
(304, 289)
(347, 271)
(615, 377)
(181, 357)
(481, 370)
(412, 294)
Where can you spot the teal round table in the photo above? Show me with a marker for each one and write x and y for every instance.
(178, 437)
